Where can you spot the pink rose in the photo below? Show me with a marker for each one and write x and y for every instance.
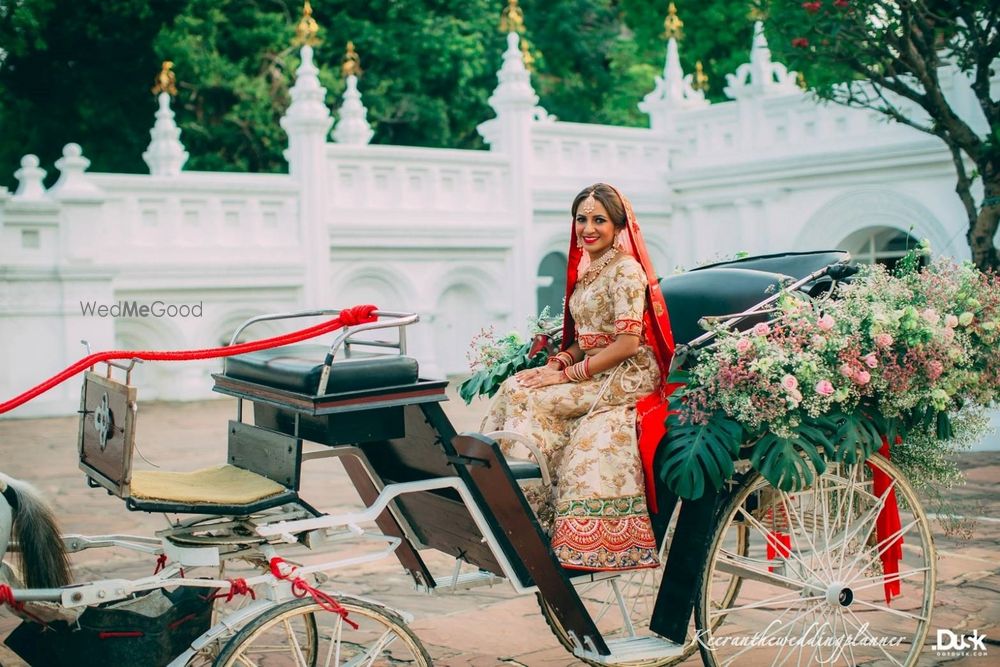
(789, 383)
(826, 323)
(742, 345)
(871, 360)
(951, 321)
(862, 377)
(846, 370)
(824, 388)
(883, 340)
(930, 315)
(761, 329)
(934, 369)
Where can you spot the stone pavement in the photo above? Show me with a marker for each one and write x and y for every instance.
(479, 627)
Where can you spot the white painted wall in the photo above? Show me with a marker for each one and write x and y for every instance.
(454, 235)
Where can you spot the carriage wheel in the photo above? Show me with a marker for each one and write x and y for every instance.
(824, 579)
(301, 633)
(622, 604)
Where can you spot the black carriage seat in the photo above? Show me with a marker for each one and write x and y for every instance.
(795, 264)
(262, 468)
(298, 368)
(716, 291)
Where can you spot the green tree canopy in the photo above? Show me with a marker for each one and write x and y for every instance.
(81, 70)
(888, 56)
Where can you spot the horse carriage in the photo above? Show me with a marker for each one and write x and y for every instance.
(426, 487)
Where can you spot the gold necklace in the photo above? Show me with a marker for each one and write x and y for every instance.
(594, 270)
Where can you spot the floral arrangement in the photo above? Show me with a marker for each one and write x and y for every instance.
(910, 356)
(492, 360)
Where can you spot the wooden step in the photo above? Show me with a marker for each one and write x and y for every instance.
(631, 649)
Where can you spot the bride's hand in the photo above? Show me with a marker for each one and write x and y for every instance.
(540, 377)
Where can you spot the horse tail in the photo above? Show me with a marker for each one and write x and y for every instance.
(43, 559)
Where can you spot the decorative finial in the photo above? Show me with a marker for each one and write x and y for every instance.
(166, 82)
(756, 12)
(800, 81)
(512, 18)
(529, 60)
(700, 81)
(673, 26)
(351, 65)
(307, 31)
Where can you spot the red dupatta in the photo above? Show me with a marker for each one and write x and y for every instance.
(651, 410)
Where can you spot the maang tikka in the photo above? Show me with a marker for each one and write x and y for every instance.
(588, 204)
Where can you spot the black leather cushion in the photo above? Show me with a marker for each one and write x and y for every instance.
(795, 264)
(298, 368)
(719, 291)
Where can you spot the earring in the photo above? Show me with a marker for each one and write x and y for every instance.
(579, 242)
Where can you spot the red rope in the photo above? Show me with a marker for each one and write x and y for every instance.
(236, 587)
(161, 562)
(348, 317)
(302, 588)
(7, 598)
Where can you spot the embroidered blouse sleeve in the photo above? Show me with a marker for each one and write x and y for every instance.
(628, 296)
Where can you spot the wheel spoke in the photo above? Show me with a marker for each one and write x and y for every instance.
(792, 597)
(879, 549)
(762, 529)
(791, 511)
(777, 627)
(894, 612)
(863, 628)
(880, 579)
(869, 516)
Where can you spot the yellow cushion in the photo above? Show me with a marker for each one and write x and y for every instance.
(220, 485)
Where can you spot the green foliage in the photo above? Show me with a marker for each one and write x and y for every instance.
(81, 71)
(78, 71)
(788, 462)
(486, 381)
(699, 456)
(493, 359)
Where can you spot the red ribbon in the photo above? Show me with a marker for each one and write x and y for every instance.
(348, 317)
(161, 562)
(302, 588)
(887, 523)
(236, 587)
(7, 598)
(778, 544)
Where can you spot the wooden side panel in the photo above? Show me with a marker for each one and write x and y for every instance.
(269, 453)
(107, 432)
(489, 475)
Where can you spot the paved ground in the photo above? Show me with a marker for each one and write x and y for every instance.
(481, 627)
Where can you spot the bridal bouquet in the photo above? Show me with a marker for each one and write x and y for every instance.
(911, 355)
(493, 359)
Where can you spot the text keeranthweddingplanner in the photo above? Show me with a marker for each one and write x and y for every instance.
(132, 308)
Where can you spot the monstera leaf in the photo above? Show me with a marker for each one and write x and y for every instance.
(785, 462)
(857, 435)
(697, 456)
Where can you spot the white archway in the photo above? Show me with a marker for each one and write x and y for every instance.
(852, 212)
(468, 303)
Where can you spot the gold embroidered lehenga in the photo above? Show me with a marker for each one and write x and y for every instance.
(596, 513)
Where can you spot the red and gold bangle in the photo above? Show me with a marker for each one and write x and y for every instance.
(579, 371)
(563, 359)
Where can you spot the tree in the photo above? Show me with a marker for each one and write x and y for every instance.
(891, 54)
(78, 71)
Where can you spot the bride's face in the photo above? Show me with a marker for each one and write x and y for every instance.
(594, 228)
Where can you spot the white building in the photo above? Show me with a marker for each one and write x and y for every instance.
(465, 238)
